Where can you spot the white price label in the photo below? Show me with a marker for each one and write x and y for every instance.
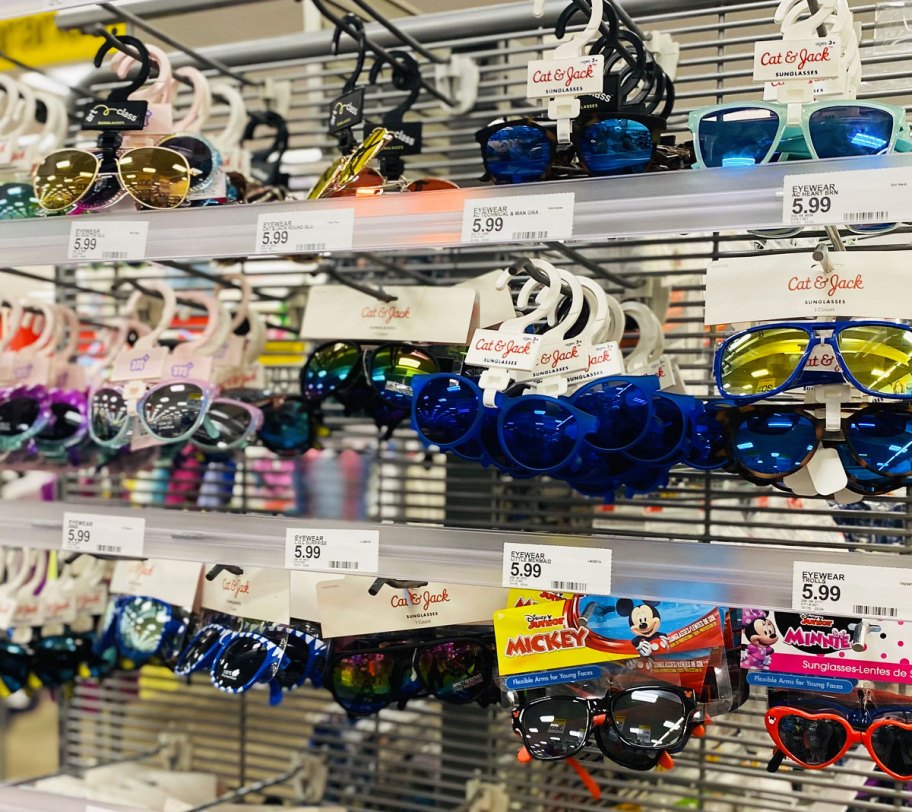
(108, 241)
(585, 570)
(565, 77)
(856, 198)
(354, 552)
(852, 589)
(105, 535)
(305, 232)
(520, 218)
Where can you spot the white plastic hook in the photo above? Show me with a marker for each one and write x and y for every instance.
(201, 105)
(651, 342)
(218, 325)
(163, 87)
(169, 308)
(230, 137)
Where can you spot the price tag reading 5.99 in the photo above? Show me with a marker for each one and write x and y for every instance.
(105, 535)
(356, 552)
(296, 232)
(487, 225)
(557, 569)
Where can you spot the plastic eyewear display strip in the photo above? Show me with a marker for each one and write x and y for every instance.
(523, 150)
(155, 177)
(737, 134)
(653, 717)
(762, 361)
(346, 169)
(818, 739)
(772, 442)
(458, 670)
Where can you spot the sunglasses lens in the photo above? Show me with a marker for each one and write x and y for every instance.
(454, 671)
(762, 361)
(882, 439)
(201, 647)
(142, 626)
(841, 132)
(742, 136)
(555, 728)
(664, 432)
(67, 423)
(623, 410)
(239, 664)
(18, 415)
(17, 200)
(540, 434)
(56, 660)
(445, 410)
(707, 439)
(156, 177)
(14, 666)
(64, 177)
(287, 429)
(879, 357)
(328, 368)
(517, 153)
(774, 443)
(614, 146)
(223, 427)
(392, 369)
(893, 746)
(198, 154)
(811, 741)
(430, 185)
(298, 652)
(633, 758)
(367, 182)
(108, 415)
(174, 411)
(650, 717)
(365, 683)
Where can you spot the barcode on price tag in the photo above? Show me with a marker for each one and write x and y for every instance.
(305, 232)
(833, 198)
(852, 589)
(108, 241)
(355, 552)
(521, 218)
(105, 535)
(564, 569)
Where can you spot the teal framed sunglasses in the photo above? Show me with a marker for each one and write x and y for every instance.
(749, 133)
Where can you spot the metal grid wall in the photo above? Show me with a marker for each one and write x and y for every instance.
(722, 772)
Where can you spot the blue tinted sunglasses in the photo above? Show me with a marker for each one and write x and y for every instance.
(141, 628)
(762, 361)
(739, 134)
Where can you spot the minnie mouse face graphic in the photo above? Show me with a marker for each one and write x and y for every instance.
(765, 633)
(644, 620)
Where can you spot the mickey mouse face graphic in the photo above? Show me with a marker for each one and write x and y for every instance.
(765, 633)
(644, 618)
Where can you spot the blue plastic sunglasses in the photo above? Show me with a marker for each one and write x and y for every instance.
(141, 628)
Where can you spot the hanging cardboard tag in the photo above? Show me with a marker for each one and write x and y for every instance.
(174, 582)
(121, 115)
(408, 138)
(565, 77)
(797, 59)
(491, 348)
(304, 602)
(346, 111)
(260, 594)
(495, 305)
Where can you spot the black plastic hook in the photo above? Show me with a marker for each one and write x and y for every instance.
(268, 162)
(115, 43)
(356, 24)
(406, 76)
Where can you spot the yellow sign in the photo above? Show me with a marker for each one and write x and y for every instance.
(37, 42)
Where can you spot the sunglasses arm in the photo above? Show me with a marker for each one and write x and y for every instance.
(776, 761)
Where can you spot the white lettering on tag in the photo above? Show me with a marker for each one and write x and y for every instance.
(852, 589)
(797, 59)
(575, 76)
(857, 198)
(108, 240)
(520, 218)
(863, 283)
(305, 232)
(353, 552)
(490, 348)
(585, 570)
(105, 535)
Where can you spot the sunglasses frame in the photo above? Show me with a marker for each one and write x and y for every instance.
(341, 172)
(811, 329)
(275, 660)
(774, 716)
(209, 391)
(898, 139)
(44, 418)
(255, 424)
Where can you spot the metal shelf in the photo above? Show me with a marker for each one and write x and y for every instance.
(662, 202)
(723, 574)
(23, 8)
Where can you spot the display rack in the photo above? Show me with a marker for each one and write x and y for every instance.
(21, 8)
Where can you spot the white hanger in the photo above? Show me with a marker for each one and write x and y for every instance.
(255, 340)
(161, 91)
(216, 331)
(150, 339)
(200, 107)
(230, 137)
(651, 342)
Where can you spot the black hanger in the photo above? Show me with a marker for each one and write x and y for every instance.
(348, 109)
(356, 24)
(406, 135)
(115, 43)
(266, 164)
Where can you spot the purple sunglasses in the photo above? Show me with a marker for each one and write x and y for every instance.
(41, 419)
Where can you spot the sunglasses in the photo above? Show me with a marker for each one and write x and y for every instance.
(25, 411)
(649, 718)
(772, 442)
(227, 425)
(737, 134)
(456, 670)
(51, 662)
(762, 361)
(204, 160)
(155, 177)
(170, 412)
(371, 182)
(818, 738)
(142, 628)
(290, 425)
(18, 201)
(346, 169)
(522, 150)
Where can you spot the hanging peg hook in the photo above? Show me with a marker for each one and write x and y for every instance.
(131, 46)
(860, 632)
(406, 76)
(349, 23)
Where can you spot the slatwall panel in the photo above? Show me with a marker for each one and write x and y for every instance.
(423, 759)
